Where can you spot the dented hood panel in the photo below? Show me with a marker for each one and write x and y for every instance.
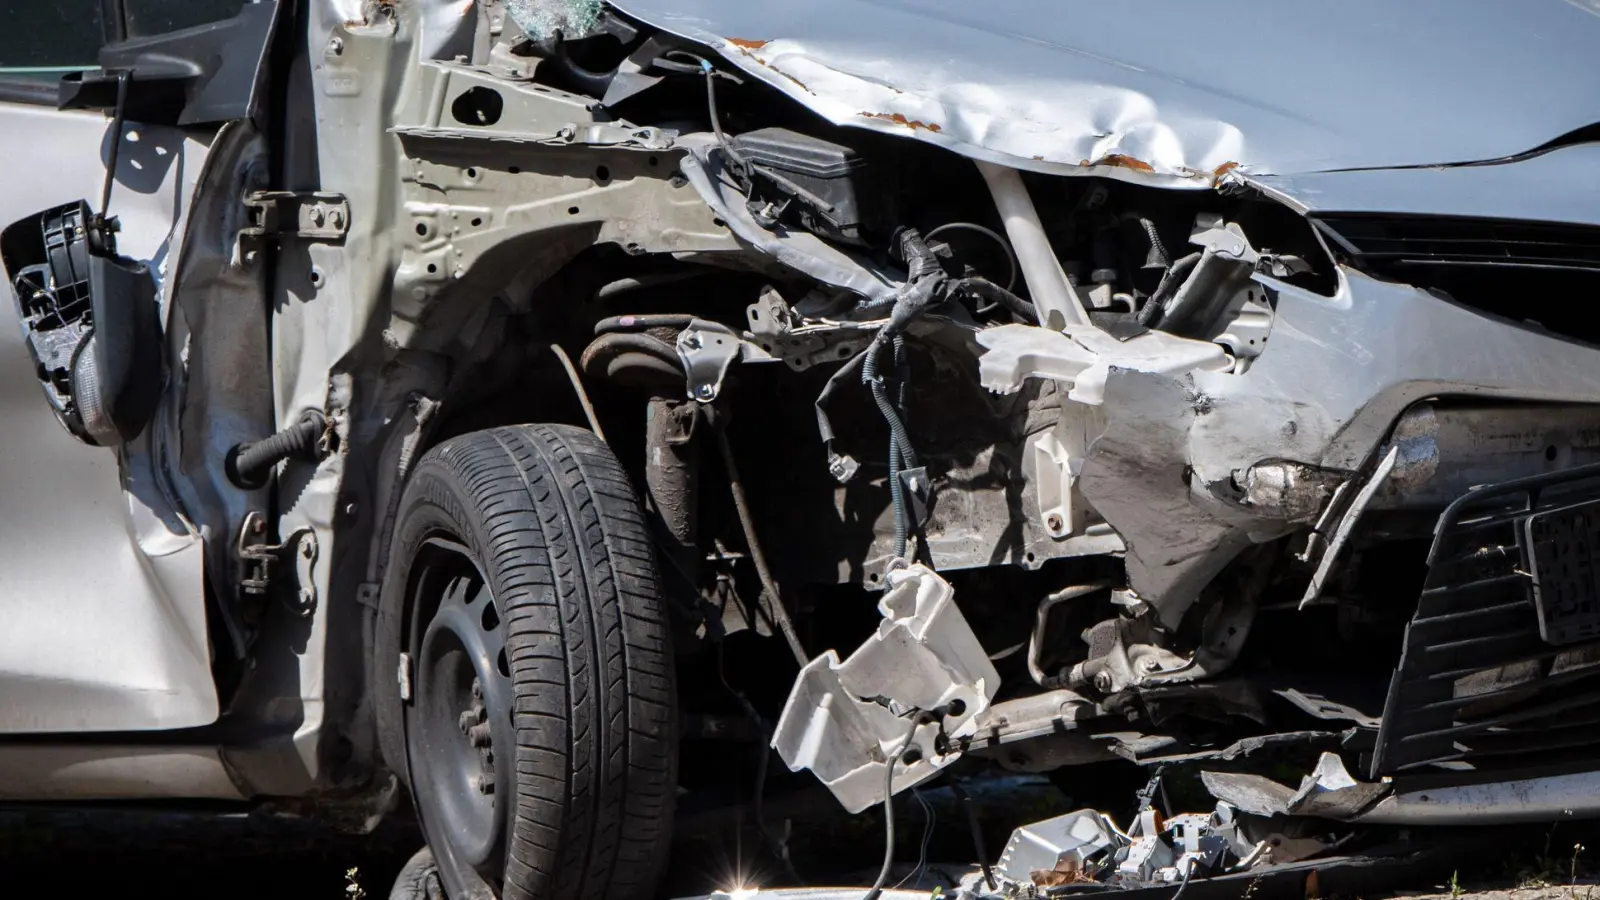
(1170, 91)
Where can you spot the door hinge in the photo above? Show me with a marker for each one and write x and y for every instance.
(263, 561)
(310, 215)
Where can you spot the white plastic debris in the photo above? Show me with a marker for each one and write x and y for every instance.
(844, 719)
(1063, 845)
(1082, 357)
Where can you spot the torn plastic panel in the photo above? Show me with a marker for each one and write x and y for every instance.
(1138, 93)
(843, 719)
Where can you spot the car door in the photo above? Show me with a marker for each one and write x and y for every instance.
(102, 597)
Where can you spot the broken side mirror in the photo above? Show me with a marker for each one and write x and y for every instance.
(91, 321)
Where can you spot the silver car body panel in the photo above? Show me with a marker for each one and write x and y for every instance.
(1557, 185)
(78, 772)
(101, 587)
(1150, 92)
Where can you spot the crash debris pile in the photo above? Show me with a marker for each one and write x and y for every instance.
(1087, 847)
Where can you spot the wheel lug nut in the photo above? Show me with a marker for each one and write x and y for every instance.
(479, 734)
(477, 689)
(466, 721)
(484, 784)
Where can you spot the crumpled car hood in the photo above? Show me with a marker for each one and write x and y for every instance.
(1169, 91)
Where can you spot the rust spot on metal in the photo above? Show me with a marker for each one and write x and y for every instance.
(1222, 170)
(1120, 161)
(791, 78)
(1038, 159)
(899, 119)
(748, 44)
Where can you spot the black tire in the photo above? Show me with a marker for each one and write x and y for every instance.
(521, 561)
(418, 879)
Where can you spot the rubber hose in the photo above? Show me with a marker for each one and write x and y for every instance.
(642, 322)
(252, 461)
(899, 445)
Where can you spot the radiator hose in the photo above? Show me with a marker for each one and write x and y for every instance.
(253, 461)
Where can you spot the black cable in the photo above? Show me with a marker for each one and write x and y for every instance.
(118, 117)
(994, 293)
(1011, 256)
(1186, 873)
(778, 848)
(1180, 270)
(1155, 241)
(901, 455)
(976, 828)
(888, 808)
(741, 167)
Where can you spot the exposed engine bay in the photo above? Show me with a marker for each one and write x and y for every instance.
(1037, 465)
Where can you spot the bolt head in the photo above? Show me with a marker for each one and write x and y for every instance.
(705, 392)
(1102, 682)
(1151, 665)
(1054, 522)
(336, 46)
(693, 341)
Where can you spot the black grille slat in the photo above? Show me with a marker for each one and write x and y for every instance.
(1523, 271)
(1477, 680)
(1455, 703)
(1380, 240)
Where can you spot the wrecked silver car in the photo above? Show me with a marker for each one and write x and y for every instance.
(910, 384)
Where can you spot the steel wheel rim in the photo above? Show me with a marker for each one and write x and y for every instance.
(460, 738)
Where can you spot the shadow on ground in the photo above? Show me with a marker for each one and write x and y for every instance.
(802, 837)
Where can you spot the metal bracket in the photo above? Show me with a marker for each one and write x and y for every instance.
(707, 349)
(610, 134)
(774, 327)
(263, 560)
(312, 215)
(918, 491)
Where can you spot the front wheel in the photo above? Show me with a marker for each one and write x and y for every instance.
(539, 736)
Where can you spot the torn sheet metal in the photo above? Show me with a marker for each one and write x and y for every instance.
(1329, 792)
(844, 719)
(1140, 91)
(1084, 355)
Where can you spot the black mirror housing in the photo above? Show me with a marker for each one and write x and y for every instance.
(92, 323)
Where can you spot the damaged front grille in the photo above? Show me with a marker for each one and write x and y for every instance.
(1500, 662)
(1534, 272)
